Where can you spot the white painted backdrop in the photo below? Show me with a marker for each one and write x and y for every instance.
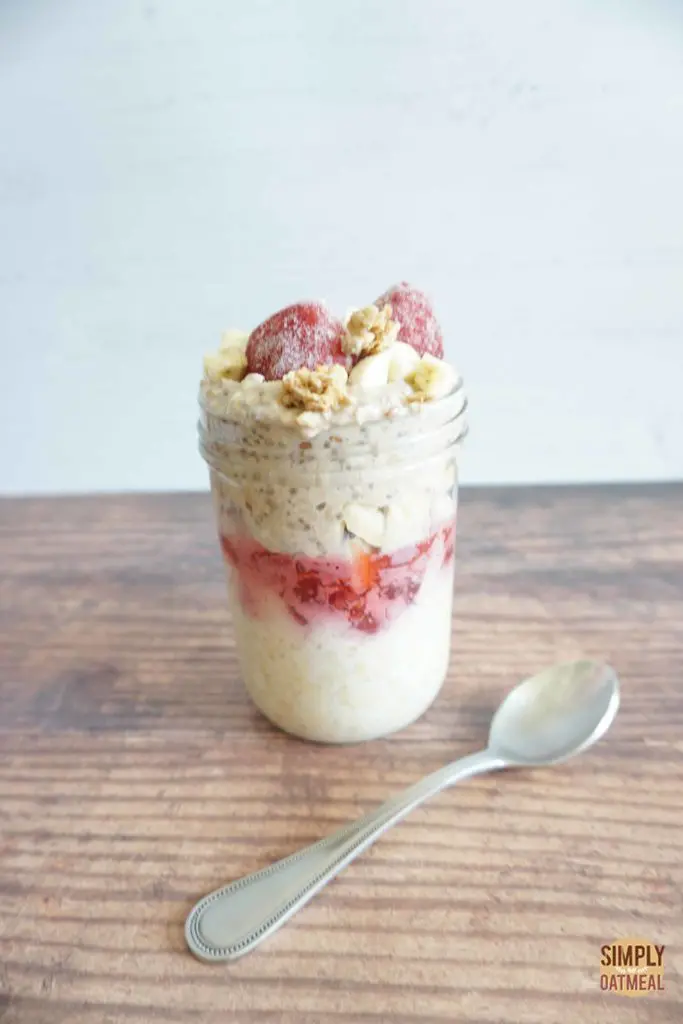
(169, 168)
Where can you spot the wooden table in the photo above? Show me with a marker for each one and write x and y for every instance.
(135, 777)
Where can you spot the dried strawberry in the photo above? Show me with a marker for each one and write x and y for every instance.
(340, 596)
(307, 588)
(391, 591)
(367, 624)
(449, 544)
(413, 311)
(297, 616)
(355, 610)
(272, 569)
(303, 335)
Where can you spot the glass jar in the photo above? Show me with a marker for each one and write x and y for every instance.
(340, 556)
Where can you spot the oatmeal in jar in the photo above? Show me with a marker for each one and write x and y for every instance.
(333, 453)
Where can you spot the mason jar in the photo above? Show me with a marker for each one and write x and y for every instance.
(340, 557)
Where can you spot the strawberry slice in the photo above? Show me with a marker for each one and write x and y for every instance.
(366, 569)
(413, 311)
(303, 335)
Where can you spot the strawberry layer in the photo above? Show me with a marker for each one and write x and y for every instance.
(369, 591)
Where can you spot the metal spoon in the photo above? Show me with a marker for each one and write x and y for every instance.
(546, 719)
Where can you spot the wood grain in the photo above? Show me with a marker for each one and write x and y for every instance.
(135, 776)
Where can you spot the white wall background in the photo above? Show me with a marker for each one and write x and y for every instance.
(169, 168)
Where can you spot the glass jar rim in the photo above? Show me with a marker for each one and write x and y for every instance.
(409, 437)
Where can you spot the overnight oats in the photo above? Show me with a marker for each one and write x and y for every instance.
(333, 452)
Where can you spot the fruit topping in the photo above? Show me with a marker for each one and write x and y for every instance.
(402, 360)
(227, 364)
(431, 379)
(413, 311)
(372, 371)
(303, 335)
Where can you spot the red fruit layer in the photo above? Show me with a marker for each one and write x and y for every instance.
(369, 591)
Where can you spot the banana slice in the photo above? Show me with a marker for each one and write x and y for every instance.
(227, 364)
(372, 371)
(252, 380)
(403, 360)
(233, 339)
(365, 522)
(431, 379)
(406, 520)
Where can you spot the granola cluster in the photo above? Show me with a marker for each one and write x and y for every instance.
(368, 331)
(321, 390)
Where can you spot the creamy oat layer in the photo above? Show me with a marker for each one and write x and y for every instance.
(384, 483)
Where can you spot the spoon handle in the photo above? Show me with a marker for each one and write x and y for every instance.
(231, 921)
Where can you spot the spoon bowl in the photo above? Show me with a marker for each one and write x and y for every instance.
(555, 714)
